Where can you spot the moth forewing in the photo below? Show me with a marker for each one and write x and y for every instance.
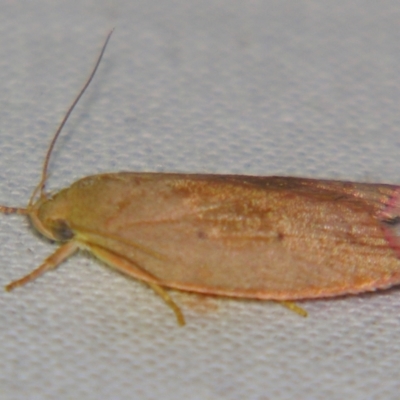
(237, 235)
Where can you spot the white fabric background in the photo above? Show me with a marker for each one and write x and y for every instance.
(306, 88)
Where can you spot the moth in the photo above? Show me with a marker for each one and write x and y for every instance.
(270, 238)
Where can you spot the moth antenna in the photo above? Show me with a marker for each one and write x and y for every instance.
(40, 187)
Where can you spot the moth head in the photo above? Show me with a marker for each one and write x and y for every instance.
(49, 215)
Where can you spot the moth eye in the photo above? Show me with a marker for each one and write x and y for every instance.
(61, 230)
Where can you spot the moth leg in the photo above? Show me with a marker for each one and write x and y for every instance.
(167, 298)
(291, 305)
(128, 268)
(60, 255)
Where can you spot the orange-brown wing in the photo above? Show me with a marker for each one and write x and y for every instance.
(269, 238)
